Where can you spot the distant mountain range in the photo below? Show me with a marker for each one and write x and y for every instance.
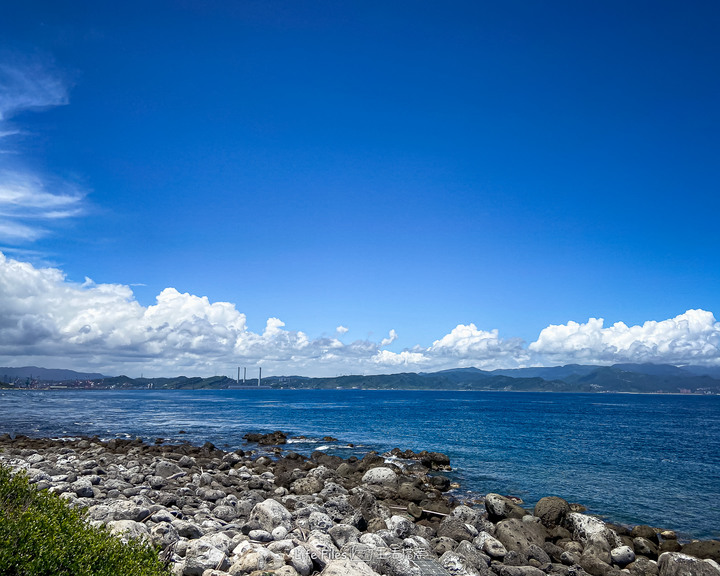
(638, 378)
(46, 374)
(641, 378)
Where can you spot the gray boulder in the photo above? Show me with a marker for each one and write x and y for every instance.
(474, 559)
(490, 545)
(320, 521)
(301, 561)
(270, 514)
(517, 535)
(400, 526)
(456, 565)
(499, 507)
(163, 534)
(83, 488)
(256, 559)
(166, 469)
(643, 567)
(344, 534)
(677, 564)
(306, 486)
(456, 529)
(201, 556)
(595, 566)
(118, 510)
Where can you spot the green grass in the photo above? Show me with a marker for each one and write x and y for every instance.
(40, 535)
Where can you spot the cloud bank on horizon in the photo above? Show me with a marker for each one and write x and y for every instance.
(46, 319)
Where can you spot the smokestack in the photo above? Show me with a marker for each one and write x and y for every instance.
(244, 374)
(259, 375)
(238, 378)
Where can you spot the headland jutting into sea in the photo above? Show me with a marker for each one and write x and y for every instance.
(265, 510)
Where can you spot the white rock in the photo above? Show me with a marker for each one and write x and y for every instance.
(490, 545)
(677, 564)
(270, 514)
(129, 530)
(381, 476)
(622, 555)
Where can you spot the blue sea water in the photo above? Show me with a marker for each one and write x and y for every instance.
(633, 459)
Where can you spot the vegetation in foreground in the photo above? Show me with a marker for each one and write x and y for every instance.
(40, 535)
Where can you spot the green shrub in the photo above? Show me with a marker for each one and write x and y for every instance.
(40, 535)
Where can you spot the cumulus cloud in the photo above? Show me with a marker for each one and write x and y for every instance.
(473, 347)
(690, 338)
(342, 329)
(45, 316)
(30, 203)
(46, 319)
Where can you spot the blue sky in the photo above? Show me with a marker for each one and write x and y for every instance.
(481, 179)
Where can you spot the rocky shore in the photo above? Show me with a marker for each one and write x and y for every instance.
(274, 511)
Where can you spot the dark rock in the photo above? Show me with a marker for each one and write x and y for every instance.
(434, 460)
(596, 567)
(440, 482)
(669, 546)
(643, 567)
(644, 547)
(455, 529)
(327, 460)
(644, 531)
(500, 507)
(473, 557)
(553, 551)
(443, 544)
(408, 491)
(270, 439)
(703, 549)
(551, 511)
(515, 558)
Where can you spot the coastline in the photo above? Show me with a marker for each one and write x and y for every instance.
(635, 458)
(246, 511)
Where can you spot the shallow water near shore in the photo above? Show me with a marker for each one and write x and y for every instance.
(634, 459)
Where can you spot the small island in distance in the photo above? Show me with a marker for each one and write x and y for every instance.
(628, 378)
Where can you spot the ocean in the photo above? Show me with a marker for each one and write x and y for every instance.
(652, 459)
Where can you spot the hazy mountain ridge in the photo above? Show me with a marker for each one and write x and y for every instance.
(638, 378)
(46, 374)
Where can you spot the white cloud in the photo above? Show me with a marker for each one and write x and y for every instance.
(392, 336)
(29, 203)
(690, 338)
(47, 320)
(26, 85)
(342, 330)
